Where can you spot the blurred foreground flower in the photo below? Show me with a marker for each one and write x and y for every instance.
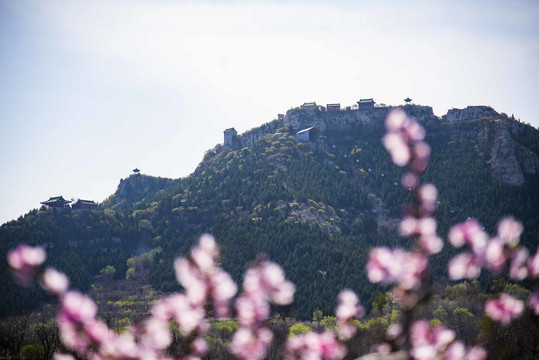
(25, 260)
(504, 309)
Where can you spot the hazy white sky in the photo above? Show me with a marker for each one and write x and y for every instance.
(90, 90)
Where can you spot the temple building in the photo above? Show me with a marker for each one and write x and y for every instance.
(56, 202)
(365, 103)
(333, 107)
(84, 204)
(309, 105)
(136, 170)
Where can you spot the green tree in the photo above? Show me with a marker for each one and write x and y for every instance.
(297, 329)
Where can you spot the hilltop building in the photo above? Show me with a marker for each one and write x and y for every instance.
(84, 204)
(365, 103)
(333, 107)
(231, 137)
(136, 171)
(56, 202)
(309, 106)
(307, 135)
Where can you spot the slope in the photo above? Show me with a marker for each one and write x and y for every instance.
(314, 207)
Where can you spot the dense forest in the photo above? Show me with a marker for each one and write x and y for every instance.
(316, 208)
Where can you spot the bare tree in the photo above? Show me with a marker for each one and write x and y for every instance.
(13, 332)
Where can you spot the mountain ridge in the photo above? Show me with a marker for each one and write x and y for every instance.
(509, 160)
(315, 207)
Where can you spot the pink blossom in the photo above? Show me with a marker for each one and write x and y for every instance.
(268, 281)
(189, 316)
(414, 131)
(72, 335)
(280, 290)
(476, 353)
(157, 334)
(457, 351)
(122, 346)
(429, 343)
(396, 120)
(495, 255)
(533, 265)
(205, 253)
(422, 150)
(410, 180)
(223, 289)
(251, 310)
(315, 346)
(412, 267)
(428, 196)
(25, 260)
(426, 226)
(200, 346)
(402, 132)
(63, 357)
(533, 301)
(261, 283)
(203, 279)
(189, 276)
(395, 144)
(432, 244)
(77, 324)
(249, 344)
(509, 231)
(426, 229)
(348, 307)
(346, 329)
(421, 157)
(518, 269)
(97, 331)
(78, 307)
(26, 256)
(398, 266)
(55, 282)
(469, 232)
(408, 226)
(464, 266)
(505, 309)
(380, 267)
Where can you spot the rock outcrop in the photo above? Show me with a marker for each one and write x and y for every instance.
(470, 113)
(509, 160)
(135, 188)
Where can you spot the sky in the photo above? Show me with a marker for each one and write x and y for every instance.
(89, 90)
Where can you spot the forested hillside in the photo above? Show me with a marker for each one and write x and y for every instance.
(314, 207)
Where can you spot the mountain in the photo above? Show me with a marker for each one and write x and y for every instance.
(314, 206)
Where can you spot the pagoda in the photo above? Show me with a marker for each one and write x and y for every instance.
(136, 170)
(407, 100)
(56, 202)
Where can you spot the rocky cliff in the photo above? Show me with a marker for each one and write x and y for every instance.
(469, 113)
(510, 161)
(135, 188)
(494, 133)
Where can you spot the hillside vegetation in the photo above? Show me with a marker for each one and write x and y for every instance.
(316, 208)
